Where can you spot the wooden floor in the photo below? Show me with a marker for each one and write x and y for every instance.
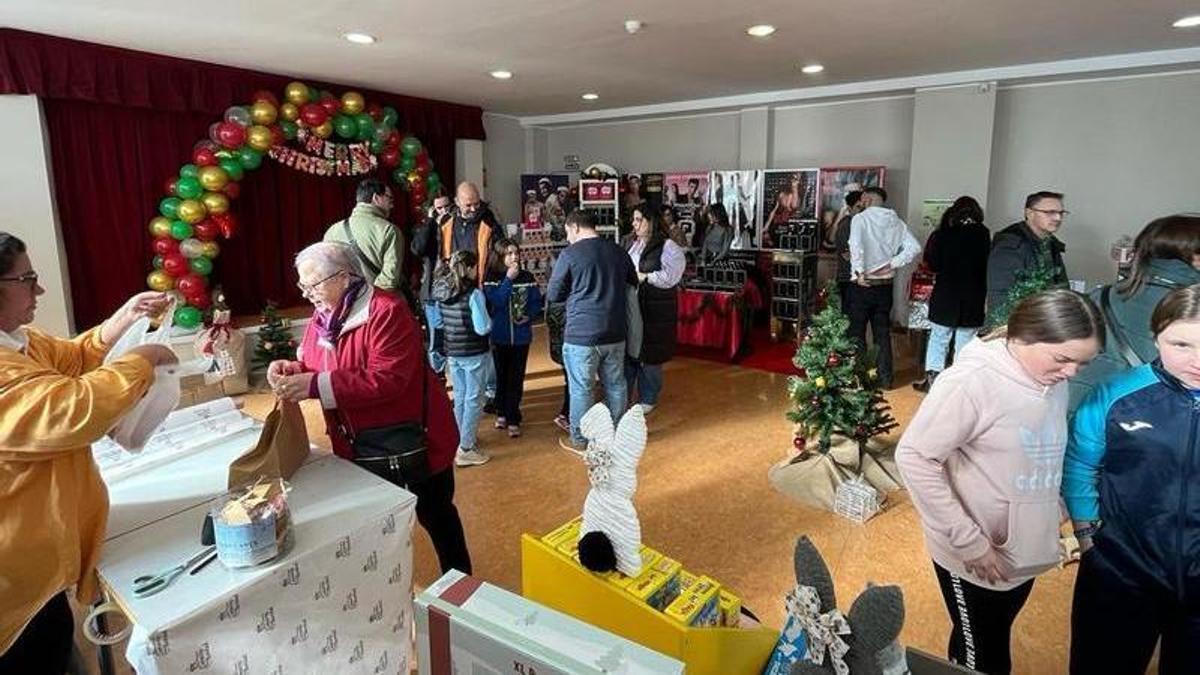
(704, 499)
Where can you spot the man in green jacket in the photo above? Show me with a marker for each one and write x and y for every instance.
(380, 244)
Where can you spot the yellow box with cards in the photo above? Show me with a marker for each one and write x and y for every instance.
(566, 532)
(730, 607)
(699, 606)
(658, 584)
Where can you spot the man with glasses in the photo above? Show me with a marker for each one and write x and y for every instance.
(378, 242)
(425, 245)
(1021, 248)
(469, 228)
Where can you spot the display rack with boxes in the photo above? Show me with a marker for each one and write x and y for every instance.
(601, 198)
(793, 289)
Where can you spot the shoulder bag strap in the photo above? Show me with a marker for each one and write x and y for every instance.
(358, 251)
(1123, 346)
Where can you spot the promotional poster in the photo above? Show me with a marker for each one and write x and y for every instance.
(545, 200)
(685, 193)
(789, 200)
(741, 193)
(835, 183)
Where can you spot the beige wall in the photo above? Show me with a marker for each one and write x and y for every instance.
(27, 206)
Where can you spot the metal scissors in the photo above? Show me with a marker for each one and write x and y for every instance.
(149, 584)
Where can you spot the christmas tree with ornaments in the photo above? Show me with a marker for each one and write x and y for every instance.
(837, 391)
(275, 341)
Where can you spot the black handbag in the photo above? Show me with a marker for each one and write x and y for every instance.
(397, 453)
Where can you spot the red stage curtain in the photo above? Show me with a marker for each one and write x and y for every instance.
(121, 122)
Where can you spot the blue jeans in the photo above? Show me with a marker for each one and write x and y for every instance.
(939, 344)
(583, 364)
(466, 374)
(489, 379)
(647, 379)
(433, 319)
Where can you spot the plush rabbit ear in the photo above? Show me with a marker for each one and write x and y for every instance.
(597, 424)
(812, 571)
(876, 619)
(630, 439)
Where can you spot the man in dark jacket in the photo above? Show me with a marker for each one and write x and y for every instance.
(1020, 248)
(425, 247)
(471, 228)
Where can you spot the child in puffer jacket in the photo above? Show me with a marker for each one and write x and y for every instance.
(514, 299)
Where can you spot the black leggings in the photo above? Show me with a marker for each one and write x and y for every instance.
(983, 620)
(45, 644)
(510, 363)
(438, 515)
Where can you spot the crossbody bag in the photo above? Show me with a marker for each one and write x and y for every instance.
(398, 453)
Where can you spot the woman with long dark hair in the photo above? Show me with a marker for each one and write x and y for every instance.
(659, 262)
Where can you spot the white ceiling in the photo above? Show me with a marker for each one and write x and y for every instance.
(558, 49)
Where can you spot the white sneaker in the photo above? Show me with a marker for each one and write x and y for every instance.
(472, 457)
(647, 408)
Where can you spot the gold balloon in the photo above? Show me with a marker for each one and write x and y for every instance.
(213, 178)
(210, 249)
(215, 202)
(352, 103)
(160, 281)
(289, 111)
(325, 130)
(191, 211)
(262, 112)
(296, 93)
(160, 227)
(414, 177)
(259, 138)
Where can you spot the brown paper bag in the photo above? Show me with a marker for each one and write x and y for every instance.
(281, 448)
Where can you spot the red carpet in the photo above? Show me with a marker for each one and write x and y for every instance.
(760, 353)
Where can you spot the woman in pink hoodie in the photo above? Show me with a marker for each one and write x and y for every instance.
(982, 460)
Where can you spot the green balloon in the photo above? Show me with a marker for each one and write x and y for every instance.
(410, 146)
(382, 132)
(433, 182)
(169, 207)
(249, 158)
(366, 127)
(188, 317)
(345, 126)
(289, 129)
(180, 230)
(189, 171)
(408, 163)
(188, 188)
(313, 94)
(233, 167)
(158, 262)
(401, 177)
(200, 265)
(378, 146)
(390, 116)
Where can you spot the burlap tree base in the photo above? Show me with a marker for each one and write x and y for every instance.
(812, 478)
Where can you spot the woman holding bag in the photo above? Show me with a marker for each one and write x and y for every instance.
(57, 398)
(363, 358)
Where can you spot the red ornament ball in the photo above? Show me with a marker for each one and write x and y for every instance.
(833, 361)
(798, 442)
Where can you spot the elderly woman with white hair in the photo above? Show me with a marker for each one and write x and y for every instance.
(385, 408)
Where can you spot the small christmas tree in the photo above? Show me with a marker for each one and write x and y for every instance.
(837, 391)
(275, 341)
(1029, 281)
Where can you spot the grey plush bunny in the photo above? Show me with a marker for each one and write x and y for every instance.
(875, 619)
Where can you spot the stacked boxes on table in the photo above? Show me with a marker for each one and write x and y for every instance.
(793, 288)
(666, 608)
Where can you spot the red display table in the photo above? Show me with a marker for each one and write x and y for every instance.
(716, 319)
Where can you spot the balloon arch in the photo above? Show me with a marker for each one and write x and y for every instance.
(196, 208)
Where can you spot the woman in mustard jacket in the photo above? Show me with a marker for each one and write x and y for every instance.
(56, 398)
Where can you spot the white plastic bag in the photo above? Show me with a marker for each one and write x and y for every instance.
(135, 428)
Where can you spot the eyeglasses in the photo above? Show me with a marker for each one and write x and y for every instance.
(1052, 212)
(306, 289)
(28, 278)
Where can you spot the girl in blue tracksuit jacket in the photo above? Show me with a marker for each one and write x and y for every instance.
(1131, 482)
(514, 299)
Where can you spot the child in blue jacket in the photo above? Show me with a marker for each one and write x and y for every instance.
(514, 299)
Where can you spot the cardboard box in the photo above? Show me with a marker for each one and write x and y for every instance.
(658, 584)
(698, 607)
(730, 607)
(465, 625)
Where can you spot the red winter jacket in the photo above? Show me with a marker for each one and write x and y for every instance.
(370, 376)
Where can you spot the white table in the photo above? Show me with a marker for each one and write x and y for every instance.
(340, 601)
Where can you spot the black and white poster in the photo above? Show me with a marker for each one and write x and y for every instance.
(740, 193)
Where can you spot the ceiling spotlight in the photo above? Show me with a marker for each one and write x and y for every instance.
(812, 69)
(632, 26)
(501, 74)
(761, 30)
(359, 38)
(1188, 22)
(590, 96)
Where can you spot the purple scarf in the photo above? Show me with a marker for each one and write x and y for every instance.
(329, 324)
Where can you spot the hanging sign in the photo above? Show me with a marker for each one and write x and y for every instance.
(324, 158)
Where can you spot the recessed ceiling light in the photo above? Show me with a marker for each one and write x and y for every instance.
(501, 74)
(360, 38)
(812, 69)
(590, 96)
(761, 30)
(1188, 22)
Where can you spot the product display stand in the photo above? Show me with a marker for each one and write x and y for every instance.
(602, 199)
(793, 288)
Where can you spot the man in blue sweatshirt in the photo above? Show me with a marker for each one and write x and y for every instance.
(596, 279)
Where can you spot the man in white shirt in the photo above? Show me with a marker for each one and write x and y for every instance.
(880, 244)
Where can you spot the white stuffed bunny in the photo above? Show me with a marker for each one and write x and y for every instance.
(611, 537)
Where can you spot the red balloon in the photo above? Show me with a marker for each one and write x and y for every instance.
(331, 105)
(165, 246)
(206, 230)
(417, 193)
(192, 284)
(204, 156)
(226, 223)
(231, 135)
(277, 137)
(170, 185)
(375, 111)
(263, 95)
(232, 189)
(175, 264)
(313, 114)
(200, 300)
(390, 157)
(393, 139)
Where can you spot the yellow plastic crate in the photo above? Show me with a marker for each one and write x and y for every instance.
(553, 579)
